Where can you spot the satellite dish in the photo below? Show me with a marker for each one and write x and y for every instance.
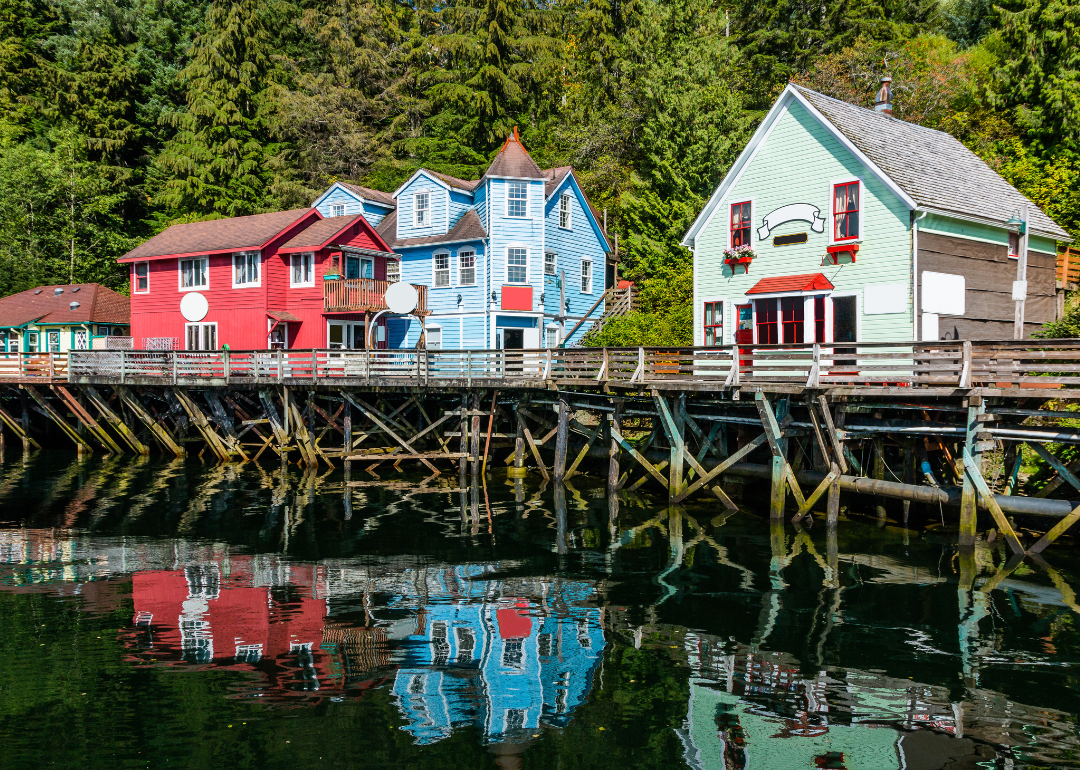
(401, 298)
(194, 306)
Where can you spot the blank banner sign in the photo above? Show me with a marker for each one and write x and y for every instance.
(884, 298)
(942, 293)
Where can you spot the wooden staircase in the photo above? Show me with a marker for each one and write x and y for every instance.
(617, 302)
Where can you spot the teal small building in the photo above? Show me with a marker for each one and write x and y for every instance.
(839, 223)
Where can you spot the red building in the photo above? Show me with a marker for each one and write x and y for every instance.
(288, 279)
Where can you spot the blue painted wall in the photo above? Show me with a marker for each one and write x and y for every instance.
(438, 201)
(353, 203)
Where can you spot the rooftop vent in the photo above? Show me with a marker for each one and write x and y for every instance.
(57, 291)
(37, 291)
(76, 289)
(73, 305)
(883, 100)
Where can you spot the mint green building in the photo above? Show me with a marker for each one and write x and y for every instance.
(839, 223)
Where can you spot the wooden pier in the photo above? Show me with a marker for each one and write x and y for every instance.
(939, 424)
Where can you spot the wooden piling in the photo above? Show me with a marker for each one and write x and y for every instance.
(81, 443)
(968, 518)
(561, 438)
(156, 427)
(126, 433)
(474, 435)
(614, 423)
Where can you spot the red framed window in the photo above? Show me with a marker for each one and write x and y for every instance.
(714, 324)
(792, 310)
(846, 211)
(819, 319)
(768, 331)
(740, 224)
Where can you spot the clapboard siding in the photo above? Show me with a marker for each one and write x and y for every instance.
(797, 163)
(438, 203)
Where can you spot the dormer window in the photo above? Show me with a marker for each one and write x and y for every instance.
(564, 211)
(517, 199)
(846, 211)
(337, 210)
(422, 209)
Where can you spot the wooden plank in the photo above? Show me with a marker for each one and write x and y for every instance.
(1057, 465)
(649, 467)
(16, 428)
(721, 467)
(834, 438)
(51, 413)
(386, 429)
(160, 432)
(1057, 531)
(91, 424)
(532, 446)
(826, 483)
(198, 419)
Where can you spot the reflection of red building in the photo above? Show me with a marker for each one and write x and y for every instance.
(198, 616)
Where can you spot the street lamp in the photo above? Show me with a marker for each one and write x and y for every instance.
(1017, 223)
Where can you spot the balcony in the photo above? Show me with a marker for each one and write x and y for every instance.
(362, 295)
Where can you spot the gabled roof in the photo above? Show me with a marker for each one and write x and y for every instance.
(514, 161)
(217, 235)
(375, 196)
(319, 234)
(467, 185)
(97, 304)
(468, 228)
(783, 283)
(554, 178)
(929, 170)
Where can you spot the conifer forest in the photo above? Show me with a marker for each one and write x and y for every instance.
(120, 117)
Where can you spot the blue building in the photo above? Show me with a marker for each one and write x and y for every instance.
(496, 252)
(495, 661)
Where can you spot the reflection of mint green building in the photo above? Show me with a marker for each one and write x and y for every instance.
(863, 227)
(724, 731)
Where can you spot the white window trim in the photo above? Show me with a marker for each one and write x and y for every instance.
(135, 278)
(258, 270)
(180, 274)
(555, 263)
(832, 214)
(398, 262)
(449, 269)
(334, 207)
(475, 268)
(592, 276)
(415, 210)
(699, 321)
(293, 259)
(566, 196)
(528, 265)
(428, 328)
(528, 200)
(727, 221)
(202, 323)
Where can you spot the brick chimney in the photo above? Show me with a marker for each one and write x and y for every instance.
(883, 100)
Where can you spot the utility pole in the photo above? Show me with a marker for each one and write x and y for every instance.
(1020, 284)
(561, 318)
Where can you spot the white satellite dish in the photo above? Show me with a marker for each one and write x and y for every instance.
(401, 298)
(194, 306)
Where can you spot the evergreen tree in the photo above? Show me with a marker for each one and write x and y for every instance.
(217, 162)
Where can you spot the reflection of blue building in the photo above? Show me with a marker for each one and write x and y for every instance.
(501, 663)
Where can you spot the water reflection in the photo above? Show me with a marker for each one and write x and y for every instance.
(521, 618)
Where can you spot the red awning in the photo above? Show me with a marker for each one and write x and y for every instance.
(783, 283)
(282, 315)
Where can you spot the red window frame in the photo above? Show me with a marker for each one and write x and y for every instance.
(767, 321)
(792, 317)
(739, 224)
(846, 225)
(714, 331)
(819, 319)
(135, 289)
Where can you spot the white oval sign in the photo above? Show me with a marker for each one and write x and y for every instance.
(194, 306)
(401, 297)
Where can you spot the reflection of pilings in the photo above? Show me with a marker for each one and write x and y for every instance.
(560, 522)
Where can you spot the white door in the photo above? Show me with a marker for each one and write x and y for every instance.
(532, 339)
(80, 339)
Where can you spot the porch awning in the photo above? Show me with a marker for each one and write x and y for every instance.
(282, 315)
(783, 283)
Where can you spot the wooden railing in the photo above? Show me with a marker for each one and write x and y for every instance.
(1068, 267)
(1027, 364)
(362, 295)
(33, 367)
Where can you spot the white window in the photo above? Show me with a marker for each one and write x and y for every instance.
(586, 276)
(433, 335)
(442, 270)
(303, 270)
(422, 209)
(564, 211)
(142, 277)
(517, 265)
(246, 269)
(393, 270)
(31, 342)
(551, 337)
(194, 273)
(466, 268)
(201, 336)
(517, 199)
(550, 259)
(337, 210)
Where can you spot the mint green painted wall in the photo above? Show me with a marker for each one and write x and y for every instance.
(797, 163)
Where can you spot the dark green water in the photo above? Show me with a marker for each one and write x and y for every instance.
(186, 615)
